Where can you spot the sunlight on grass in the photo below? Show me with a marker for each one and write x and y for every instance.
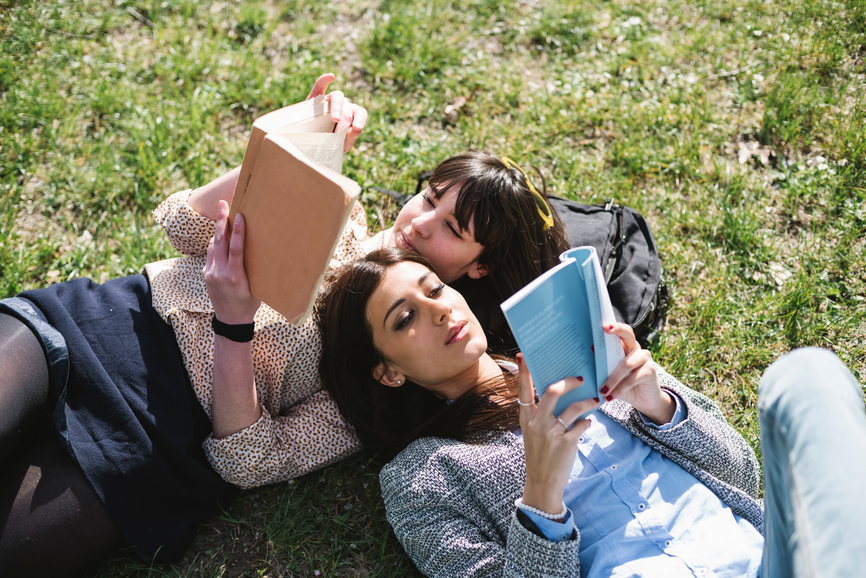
(736, 127)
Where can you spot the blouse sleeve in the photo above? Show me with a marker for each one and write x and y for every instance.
(310, 435)
(189, 231)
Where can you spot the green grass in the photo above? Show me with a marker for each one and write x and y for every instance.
(737, 128)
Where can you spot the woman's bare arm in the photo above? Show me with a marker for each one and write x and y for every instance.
(205, 200)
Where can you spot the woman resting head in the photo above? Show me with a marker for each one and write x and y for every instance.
(514, 234)
(483, 227)
(404, 357)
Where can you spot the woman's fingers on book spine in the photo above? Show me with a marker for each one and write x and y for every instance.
(359, 121)
(625, 333)
(525, 390)
(349, 115)
(634, 380)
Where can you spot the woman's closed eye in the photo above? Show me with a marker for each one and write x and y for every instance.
(455, 230)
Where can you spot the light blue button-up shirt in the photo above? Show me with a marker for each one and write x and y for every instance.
(640, 514)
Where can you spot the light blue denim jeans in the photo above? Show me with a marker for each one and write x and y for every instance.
(813, 440)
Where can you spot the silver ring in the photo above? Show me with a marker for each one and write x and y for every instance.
(563, 424)
(523, 404)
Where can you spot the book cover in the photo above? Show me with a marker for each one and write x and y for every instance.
(295, 204)
(557, 321)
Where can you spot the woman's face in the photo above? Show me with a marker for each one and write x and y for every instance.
(427, 226)
(424, 329)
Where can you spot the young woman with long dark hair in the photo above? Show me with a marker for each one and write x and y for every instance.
(488, 482)
(132, 410)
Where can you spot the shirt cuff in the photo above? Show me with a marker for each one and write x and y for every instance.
(679, 414)
(553, 531)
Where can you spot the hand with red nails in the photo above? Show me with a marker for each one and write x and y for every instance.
(635, 381)
(343, 112)
(550, 448)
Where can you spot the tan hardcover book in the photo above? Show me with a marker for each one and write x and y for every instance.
(295, 208)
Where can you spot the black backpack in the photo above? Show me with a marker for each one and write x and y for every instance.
(627, 252)
(629, 259)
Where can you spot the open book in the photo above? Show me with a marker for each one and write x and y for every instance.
(295, 203)
(557, 321)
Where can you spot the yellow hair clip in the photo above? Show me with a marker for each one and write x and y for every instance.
(543, 207)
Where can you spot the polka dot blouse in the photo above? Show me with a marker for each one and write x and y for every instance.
(300, 429)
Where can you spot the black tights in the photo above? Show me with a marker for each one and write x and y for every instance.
(52, 523)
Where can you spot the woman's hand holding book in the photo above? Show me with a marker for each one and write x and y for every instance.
(550, 447)
(635, 381)
(224, 273)
(343, 112)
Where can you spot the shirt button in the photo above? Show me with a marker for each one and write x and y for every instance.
(613, 467)
(668, 545)
(580, 440)
(641, 507)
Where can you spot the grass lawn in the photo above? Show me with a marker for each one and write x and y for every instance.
(737, 127)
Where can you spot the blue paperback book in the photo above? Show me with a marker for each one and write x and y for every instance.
(558, 322)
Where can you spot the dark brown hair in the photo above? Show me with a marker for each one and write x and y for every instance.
(517, 248)
(387, 419)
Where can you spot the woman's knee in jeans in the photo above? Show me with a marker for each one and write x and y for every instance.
(808, 374)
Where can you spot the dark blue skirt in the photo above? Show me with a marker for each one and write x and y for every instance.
(126, 410)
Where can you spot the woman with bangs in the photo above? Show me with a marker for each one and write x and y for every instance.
(133, 410)
(484, 480)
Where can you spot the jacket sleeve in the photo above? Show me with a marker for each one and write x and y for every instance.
(445, 525)
(702, 442)
(310, 435)
(188, 231)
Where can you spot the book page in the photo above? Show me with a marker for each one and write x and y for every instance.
(551, 323)
(322, 123)
(323, 148)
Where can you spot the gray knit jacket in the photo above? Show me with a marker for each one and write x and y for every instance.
(451, 504)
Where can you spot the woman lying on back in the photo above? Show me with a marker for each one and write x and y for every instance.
(130, 412)
(488, 482)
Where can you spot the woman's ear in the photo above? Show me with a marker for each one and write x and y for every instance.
(388, 377)
(477, 270)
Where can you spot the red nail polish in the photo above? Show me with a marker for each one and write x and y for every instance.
(595, 399)
(609, 398)
(579, 378)
(604, 390)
